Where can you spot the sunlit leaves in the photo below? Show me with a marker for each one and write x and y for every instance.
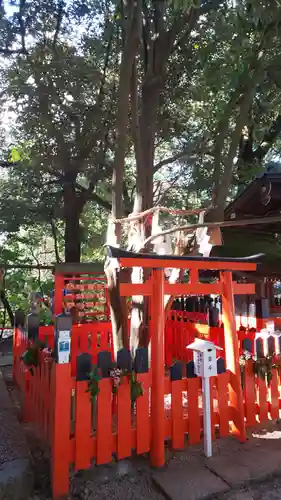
(14, 155)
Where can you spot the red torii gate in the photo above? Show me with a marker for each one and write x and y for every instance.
(156, 287)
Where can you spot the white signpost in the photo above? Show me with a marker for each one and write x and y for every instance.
(64, 341)
(63, 338)
(205, 362)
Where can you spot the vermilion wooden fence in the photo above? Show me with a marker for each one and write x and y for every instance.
(179, 332)
(78, 430)
(96, 337)
(19, 370)
(93, 338)
(90, 338)
(262, 400)
(39, 397)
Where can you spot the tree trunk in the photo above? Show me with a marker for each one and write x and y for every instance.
(7, 306)
(158, 47)
(150, 102)
(118, 305)
(55, 238)
(72, 250)
(144, 138)
(132, 20)
(72, 234)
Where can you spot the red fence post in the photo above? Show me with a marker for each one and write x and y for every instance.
(15, 353)
(26, 413)
(58, 295)
(157, 368)
(83, 426)
(61, 401)
(232, 355)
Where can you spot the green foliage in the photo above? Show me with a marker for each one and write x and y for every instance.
(30, 247)
(93, 384)
(14, 155)
(136, 387)
(30, 357)
(117, 377)
(262, 367)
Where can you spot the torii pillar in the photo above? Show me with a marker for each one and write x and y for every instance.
(232, 356)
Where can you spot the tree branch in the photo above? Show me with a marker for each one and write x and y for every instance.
(59, 21)
(22, 26)
(22, 32)
(222, 128)
(103, 203)
(165, 191)
(11, 52)
(171, 159)
(225, 180)
(101, 125)
(54, 233)
(188, 21)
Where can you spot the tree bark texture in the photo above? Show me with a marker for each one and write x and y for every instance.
(72, 234)
(118, 305)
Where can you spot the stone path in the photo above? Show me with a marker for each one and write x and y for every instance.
(16, 475)
(6, 360)
(189, 475)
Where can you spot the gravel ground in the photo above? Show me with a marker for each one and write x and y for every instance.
(268, 490)
(126, 480)
(131, 481)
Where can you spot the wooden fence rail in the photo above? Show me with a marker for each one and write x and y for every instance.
(96, 337)
(89, 338)
(93, 338)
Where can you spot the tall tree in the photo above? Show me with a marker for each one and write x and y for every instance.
(63, 104)
(151, 95)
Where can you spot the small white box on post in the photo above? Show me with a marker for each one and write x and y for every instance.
(63, 327)
(205, 363)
